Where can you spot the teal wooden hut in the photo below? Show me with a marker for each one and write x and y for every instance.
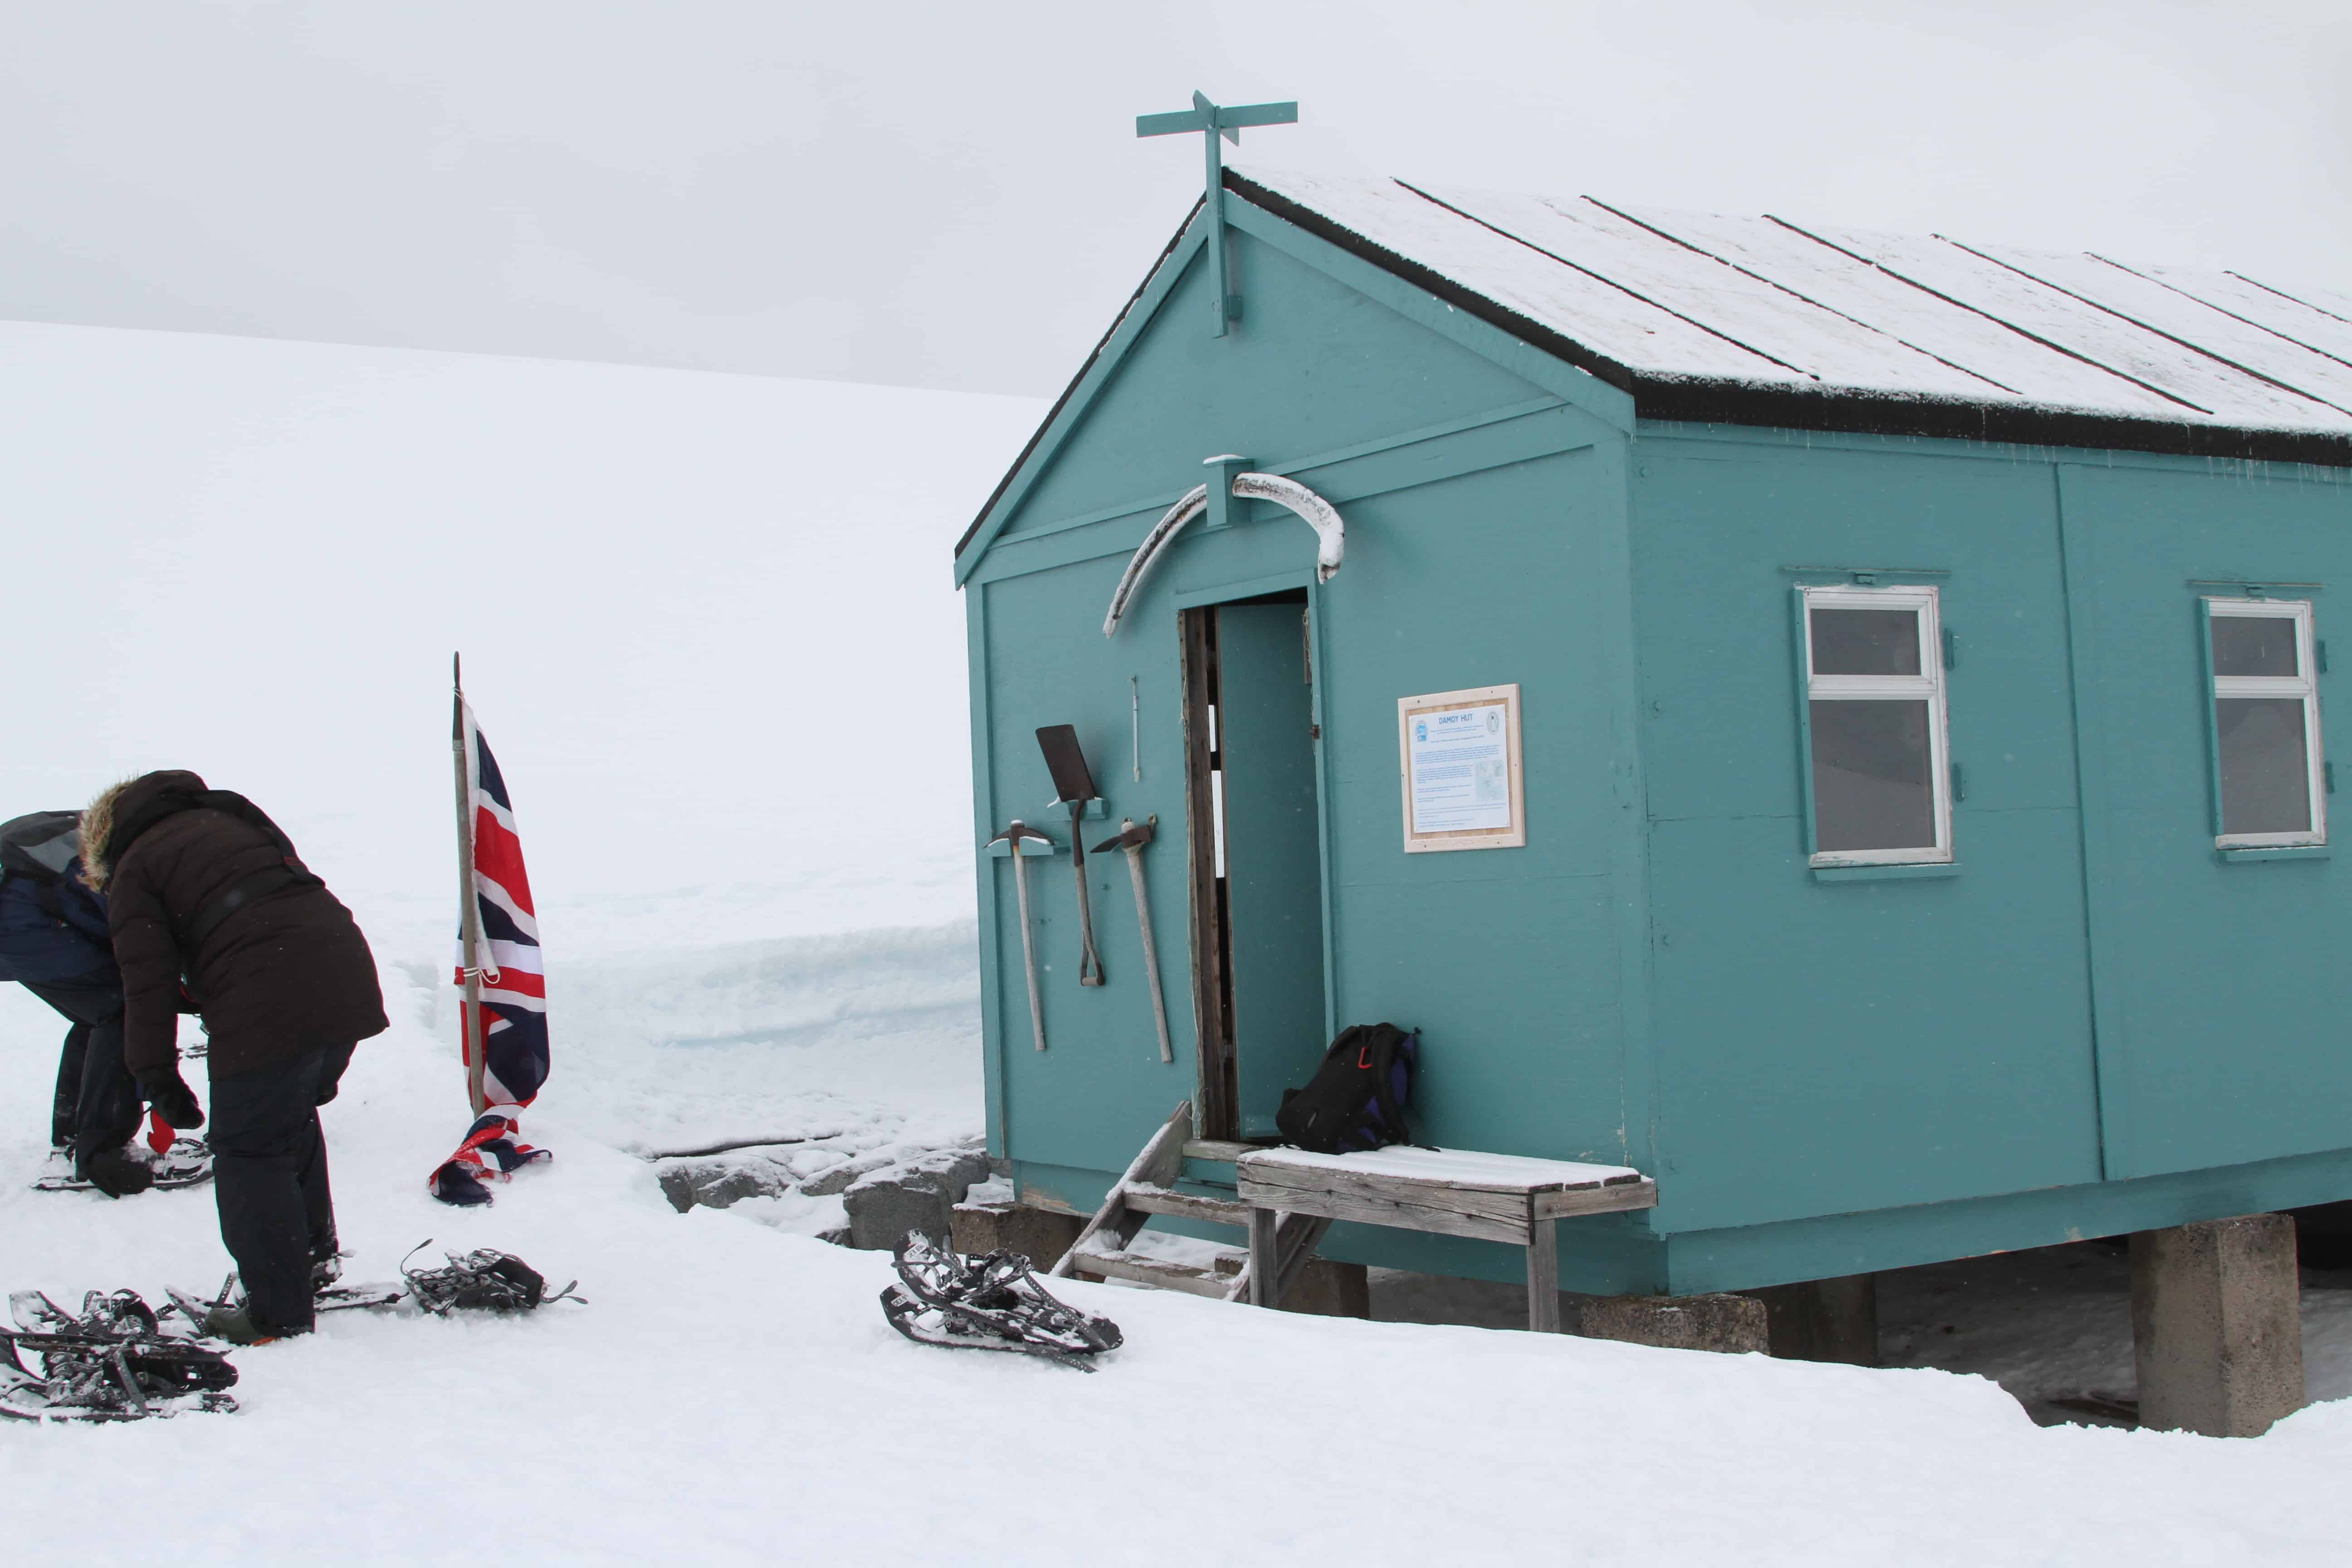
(1834, 721)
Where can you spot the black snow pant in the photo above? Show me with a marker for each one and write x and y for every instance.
(97, 1104)
(269, 1176)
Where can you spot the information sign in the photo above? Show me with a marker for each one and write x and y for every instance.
(1458, 754)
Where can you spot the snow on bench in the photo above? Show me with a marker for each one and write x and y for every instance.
(1455, 1192)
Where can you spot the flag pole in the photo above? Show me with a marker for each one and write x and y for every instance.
(469, 915)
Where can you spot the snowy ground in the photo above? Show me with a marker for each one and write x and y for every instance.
(732, 1395)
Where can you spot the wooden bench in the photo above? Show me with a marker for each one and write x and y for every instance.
(1452, 1192)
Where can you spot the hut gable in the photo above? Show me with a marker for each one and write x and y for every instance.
(1314, 370)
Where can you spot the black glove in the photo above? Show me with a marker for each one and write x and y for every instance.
(331, 1072)
(114, 1172)
(169, 1093)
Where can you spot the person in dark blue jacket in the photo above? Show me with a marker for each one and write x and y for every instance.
(55, 942)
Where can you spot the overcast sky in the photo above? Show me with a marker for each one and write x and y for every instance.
(953, 194)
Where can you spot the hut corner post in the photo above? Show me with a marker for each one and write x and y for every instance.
(470, 924)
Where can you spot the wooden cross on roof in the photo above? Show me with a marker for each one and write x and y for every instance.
(1215, 121)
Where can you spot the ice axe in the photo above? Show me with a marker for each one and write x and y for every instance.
(1074, 786)
(1132, 839)
(1012, 836)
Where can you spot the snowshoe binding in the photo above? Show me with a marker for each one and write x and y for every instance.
(111, 1363)
(227, 1318)
(480, 1281)
(992, 1303)
(328, 1293)
(188, 1162)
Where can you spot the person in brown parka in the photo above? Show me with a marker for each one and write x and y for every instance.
(202, 887)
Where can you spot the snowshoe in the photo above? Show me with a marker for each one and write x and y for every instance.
(113, 1363)
(187, 1163)
(482, 1281)
(992, 1303)
(225, 1318)
(57, 1172)
(340, 1298)
(330, 1293)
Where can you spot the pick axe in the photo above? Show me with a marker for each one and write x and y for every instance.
(1132, 839)
(1074, 786)
(1013, 836)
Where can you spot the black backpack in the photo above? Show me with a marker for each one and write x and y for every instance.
(51, 926)
(1357, 1098)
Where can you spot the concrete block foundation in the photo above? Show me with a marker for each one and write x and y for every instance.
(1041, 1236)
(1736, 1325)
(2217, 1334)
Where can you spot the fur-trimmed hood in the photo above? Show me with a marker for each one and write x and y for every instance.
(201, 908)
(116, 806)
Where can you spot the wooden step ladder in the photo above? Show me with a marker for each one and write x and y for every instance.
(1149, 1188)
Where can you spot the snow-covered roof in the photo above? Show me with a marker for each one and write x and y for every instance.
(1763, 321)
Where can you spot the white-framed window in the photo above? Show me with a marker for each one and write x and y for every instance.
(1878, 772)
(2268, 772)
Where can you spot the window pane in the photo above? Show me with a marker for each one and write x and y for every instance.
(1871, 788)
(2265, 772)
(2253, 644)
(1866, 642)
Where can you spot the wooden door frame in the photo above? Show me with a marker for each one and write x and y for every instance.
(1218, 1116)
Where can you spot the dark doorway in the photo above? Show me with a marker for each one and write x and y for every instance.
(1256, 835)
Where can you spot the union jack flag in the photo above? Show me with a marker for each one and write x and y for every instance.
(512, 1022)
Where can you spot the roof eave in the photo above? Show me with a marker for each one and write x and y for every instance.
(1860, 413)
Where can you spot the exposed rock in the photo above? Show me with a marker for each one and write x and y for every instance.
(722, 1181)
(837, 1178)
(917, 1194)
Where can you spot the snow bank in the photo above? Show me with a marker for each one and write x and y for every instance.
(676, 1051)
